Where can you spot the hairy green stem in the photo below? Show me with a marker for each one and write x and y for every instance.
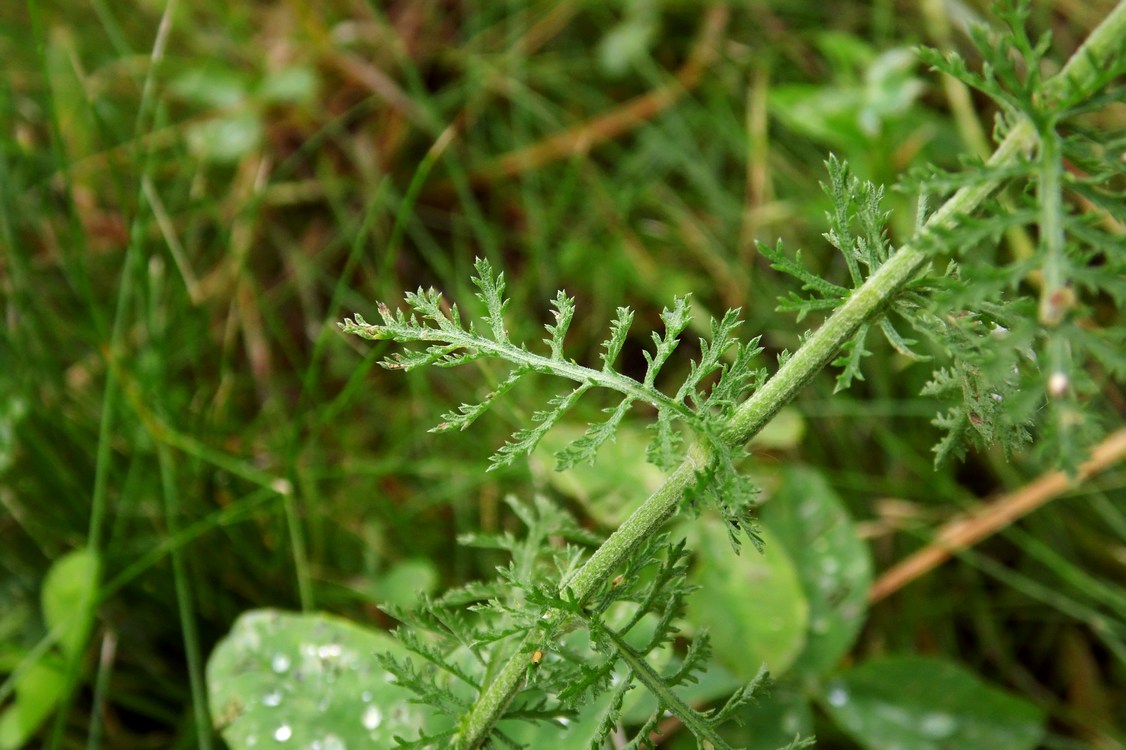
(1054, 302)
(603, 378)
(864, 304)
(1079, 76)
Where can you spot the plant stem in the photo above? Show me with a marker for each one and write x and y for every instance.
(864, 304)
(1082, 72)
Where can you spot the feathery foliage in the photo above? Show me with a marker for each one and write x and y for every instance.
(626, 624)
(715, 384)
(1013, 337)
(1017, 332)
(1021, 332)
(857, 228)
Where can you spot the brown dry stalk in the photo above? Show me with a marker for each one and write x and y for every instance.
(608, 125)
(970, 528)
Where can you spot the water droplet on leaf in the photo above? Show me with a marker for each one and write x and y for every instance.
(280, 663)
(938, 725)
(373, 717)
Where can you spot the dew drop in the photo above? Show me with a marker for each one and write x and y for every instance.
(273, 698)
(373, 717)
(1058, 384)
(332, 742)
(251, 740)
(329, 651)
(838, 696)
(280, 663)
(366, 696)
(283, 733)
(938, 725)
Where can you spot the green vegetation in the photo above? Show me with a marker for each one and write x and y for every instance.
(191, 198)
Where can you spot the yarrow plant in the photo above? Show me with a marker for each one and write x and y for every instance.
(1012, 339)
(702, 411)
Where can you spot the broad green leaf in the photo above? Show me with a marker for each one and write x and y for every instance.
(849, 113)
(890, 88)
(918, 703)
(811, 522)
(751, 604)
(825, 114)
(293, 85)
(308, 680)
(773, 720)
(214, 86)
(846, 53)
(783, 432)
(225, 139)
(627, 43)
(69, 594)
(37, 691)
(404, 582)
(68, 598)
(618, 482)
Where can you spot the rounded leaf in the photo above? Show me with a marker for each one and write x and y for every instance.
(404, 582)
(69, 595)
(615, 486)
(777, 716)
(211, 86)
(917, 703)
(306, 680)
(752, 604)
(225, 139)
(831, 560)
(292, 85)
(38, 691)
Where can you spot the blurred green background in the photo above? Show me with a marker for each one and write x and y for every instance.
(192, 194)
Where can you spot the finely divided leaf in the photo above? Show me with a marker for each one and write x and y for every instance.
(563, 312)
(524, 441)
(711, 354)
(676, 320)
(663, 450)
(736, 379)
(619, 329)
(585, 449)
(492, 294)
(853, 353)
